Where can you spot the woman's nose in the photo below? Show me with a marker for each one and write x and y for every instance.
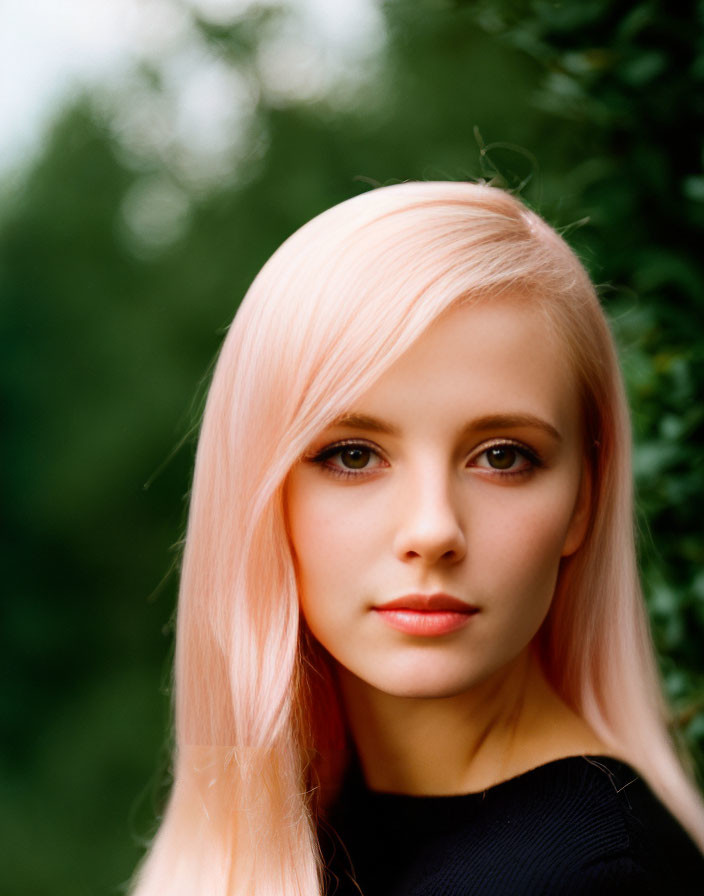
(431, 529)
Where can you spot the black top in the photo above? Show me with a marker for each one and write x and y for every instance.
(578, 826)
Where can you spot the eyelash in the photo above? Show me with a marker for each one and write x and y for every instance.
(322, 458)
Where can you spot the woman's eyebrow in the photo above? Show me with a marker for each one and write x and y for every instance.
(480, 424)
(511, 421)
(363, 421)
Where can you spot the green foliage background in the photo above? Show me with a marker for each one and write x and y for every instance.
(592, 108)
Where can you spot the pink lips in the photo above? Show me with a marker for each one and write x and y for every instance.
(426, 615)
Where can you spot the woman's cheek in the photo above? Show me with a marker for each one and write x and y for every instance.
(520, 541)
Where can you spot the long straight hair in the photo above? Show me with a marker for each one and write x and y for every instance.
(259, 733)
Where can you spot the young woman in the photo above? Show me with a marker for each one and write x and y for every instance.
(412, 655)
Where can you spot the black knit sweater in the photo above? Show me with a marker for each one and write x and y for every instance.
(581, 825)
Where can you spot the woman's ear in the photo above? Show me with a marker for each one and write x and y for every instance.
(581, 514)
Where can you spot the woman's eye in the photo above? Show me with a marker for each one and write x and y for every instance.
(348, 459)
(506, 458)
(355, 457)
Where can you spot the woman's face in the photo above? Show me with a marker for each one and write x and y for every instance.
(428, 523)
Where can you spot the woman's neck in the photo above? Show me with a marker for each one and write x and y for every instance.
(465, 743)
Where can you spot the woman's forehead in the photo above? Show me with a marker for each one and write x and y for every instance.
(478, 362)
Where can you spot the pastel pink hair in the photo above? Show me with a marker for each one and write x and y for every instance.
(256, 718)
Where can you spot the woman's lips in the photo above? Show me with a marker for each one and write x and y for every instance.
(426, 615)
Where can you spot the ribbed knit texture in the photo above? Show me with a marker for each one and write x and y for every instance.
(577, 826)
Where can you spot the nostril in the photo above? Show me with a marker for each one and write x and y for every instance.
(449, 550)
(433, 529)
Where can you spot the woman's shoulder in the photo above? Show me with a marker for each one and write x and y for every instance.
(580, 824)
(603, 825)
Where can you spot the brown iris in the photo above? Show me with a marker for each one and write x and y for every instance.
(355, 457)
(501, 457)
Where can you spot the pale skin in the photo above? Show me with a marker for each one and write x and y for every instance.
(461, 472)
